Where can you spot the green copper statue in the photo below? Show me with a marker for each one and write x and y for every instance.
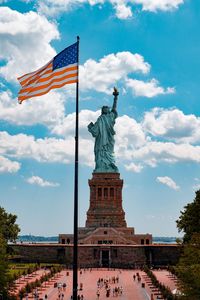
(103, 132)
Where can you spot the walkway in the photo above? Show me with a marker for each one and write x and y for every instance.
(132, 290)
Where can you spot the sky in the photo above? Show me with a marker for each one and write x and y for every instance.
(149, 50)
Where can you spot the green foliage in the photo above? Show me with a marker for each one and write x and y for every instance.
(188, 269)
(8, 232)
(189, 220)
(28, 288)
(3, 266)
(22, 293)
(8, 227)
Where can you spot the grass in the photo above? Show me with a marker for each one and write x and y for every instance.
(22, 268)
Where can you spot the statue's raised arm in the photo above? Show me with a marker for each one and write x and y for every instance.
(115, 94)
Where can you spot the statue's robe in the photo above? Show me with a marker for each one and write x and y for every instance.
(103, 132)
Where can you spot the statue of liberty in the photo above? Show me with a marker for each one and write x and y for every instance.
(103, 132)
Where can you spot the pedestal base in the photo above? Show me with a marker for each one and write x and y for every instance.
(105, 201)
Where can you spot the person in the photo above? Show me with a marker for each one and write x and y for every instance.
(103, 132)
(121, 290)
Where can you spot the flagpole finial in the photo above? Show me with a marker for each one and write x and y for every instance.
(78, 38)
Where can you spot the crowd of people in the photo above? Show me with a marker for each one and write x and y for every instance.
(105, 285)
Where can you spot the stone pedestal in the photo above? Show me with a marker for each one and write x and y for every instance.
(105, 201)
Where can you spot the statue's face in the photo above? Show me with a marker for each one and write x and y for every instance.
(105, 110)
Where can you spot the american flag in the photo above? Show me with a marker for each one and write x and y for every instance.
(61, 70)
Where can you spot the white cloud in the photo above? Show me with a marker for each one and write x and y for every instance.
(43, 150)
(172, 124)
(101, 76)
(47, 110)
(123, 7)
(122, 10)
(41, 182)
(147, 89)
(155, 5)
(53, 7)
(129, 137)
(157, 152)
(25, 42)
(8, 166)
(67, 127)
(49, 150)
(134, 168)
(168, 182)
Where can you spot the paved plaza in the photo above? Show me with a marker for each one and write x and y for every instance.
(120, 282)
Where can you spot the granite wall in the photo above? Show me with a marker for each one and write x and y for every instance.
(99, 255)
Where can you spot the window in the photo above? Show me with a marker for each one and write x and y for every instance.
(68, 241)
(142, 241)
(115, 252)
(99, 192)
(105, 232)
(147, 241)
(105, 192)
(63, 241)
(111, 192)
(95, 253)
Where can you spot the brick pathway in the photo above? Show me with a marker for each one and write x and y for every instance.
(131, 290)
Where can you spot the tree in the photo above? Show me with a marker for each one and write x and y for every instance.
(8, 232)
(189, 220)
(3, 267)
(8, 228)
(188, 268)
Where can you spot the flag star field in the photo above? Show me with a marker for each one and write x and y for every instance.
(150, 51)
(67, 57)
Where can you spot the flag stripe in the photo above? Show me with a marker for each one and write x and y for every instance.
(48, 75)
(32, 73)
(37, 74)
(36, 87)
(42, 92)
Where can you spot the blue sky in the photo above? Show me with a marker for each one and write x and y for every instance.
(150, 50)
